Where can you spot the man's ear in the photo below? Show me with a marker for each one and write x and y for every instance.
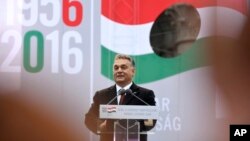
(134, 71)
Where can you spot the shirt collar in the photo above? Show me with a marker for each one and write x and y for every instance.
(125, 88)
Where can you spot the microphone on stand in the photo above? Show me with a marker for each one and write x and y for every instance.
(120, 92)
(129, 91)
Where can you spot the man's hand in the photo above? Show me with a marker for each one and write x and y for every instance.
(103, 126)
(148, 122)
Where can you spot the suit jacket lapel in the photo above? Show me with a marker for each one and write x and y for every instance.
(129, 97)
(112, 94)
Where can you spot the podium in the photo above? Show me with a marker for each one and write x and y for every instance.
(126, 124)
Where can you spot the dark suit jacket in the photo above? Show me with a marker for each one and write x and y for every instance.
(106, 95)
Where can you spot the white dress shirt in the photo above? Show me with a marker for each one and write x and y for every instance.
(125, 88)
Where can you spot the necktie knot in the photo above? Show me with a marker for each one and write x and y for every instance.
(121, 91)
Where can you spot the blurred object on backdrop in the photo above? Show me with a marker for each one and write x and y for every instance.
(175, 30)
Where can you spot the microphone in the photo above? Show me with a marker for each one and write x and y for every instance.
(129, 91)
(120, 92)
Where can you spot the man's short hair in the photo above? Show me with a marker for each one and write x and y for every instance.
(127, 57)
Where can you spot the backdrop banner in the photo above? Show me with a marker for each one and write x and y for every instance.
(57, 53)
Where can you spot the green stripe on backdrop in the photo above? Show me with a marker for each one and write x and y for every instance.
(151, 67)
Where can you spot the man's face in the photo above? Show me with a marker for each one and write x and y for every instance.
(123, 72)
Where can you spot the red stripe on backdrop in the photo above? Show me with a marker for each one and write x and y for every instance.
(143, 11)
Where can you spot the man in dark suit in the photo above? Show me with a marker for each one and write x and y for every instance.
(123, 71)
